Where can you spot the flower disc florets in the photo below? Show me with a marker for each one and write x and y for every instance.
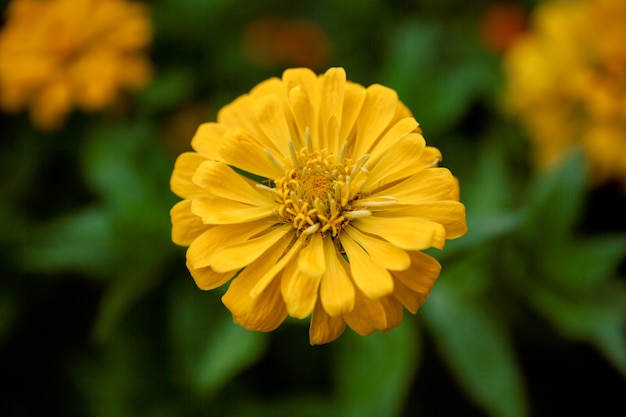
(317, 193)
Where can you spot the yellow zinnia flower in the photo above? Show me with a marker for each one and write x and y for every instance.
(317, 195)
(567, 83)
(57, 54)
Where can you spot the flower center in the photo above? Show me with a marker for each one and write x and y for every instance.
(317, 192)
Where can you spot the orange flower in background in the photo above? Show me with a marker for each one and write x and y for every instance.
(272, 41)
(315, 196)
(501, 24)
(567, 83)
(60, 54)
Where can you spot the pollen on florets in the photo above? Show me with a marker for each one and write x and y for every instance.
(319, 188)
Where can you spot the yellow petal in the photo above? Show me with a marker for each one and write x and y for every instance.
(450, 214)
(235, 256)
(240, 114)
(186, 226)
(382, 252)
(207, 279)
(262, 314)
(223, 211)
(201, 250)
(304, 78)
(368, 315)
(422, 274)
(276, 88)
(311, 259)
(397, 131)
(304, 115)
(410, 299)
(208, 139)
(376, 114)
(273, 122)
(393, 312)
(336, 288)
(299, 290)
(430, 157)
(371, 278)
(241, 150)
(271, 273)
(354, 96)
(399, 161)
(186, 165)
(331, 104)
(324, 328)
(427, 185)
(408, 233)
(220, 180)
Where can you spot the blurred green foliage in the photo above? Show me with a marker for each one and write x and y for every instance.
(99, 317)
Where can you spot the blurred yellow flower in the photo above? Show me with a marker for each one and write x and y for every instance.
(567, 83)
(344, 197)
(57, 54)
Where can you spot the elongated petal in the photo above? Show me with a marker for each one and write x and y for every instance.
(410, 299)
(354, 96)
(311, 259)
(186, 226)
(273, 122)
(184, 168)
(208, 139)
(240, 114)
(399, 161)
(371, 278)
(376, 114)
(241, 150)
(450, 214)
(220, 180)
(427, 185)
(331, 104)
(430, 158)
(223, 211)
(422, 274)
(299, 290)
(393, 312)
(262, 314)
(396, 132)
(207, 279)
(367, 316)
(271, 273)
(382, 252)
(304, 115)
(336, 288)
(201, 250)
(304, 78)
(408, 233)
(324, 328)
(229, 257)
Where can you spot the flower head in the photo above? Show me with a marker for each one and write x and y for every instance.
(57, 54)
(567, 83)
(317, 196)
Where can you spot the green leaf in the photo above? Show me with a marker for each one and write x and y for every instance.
(475, 344)
(555, 200)
(79, 242)
(231, 349)
(361, 363)
(167, 91)
(210, 349)
(580, 265)
(598, 318)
